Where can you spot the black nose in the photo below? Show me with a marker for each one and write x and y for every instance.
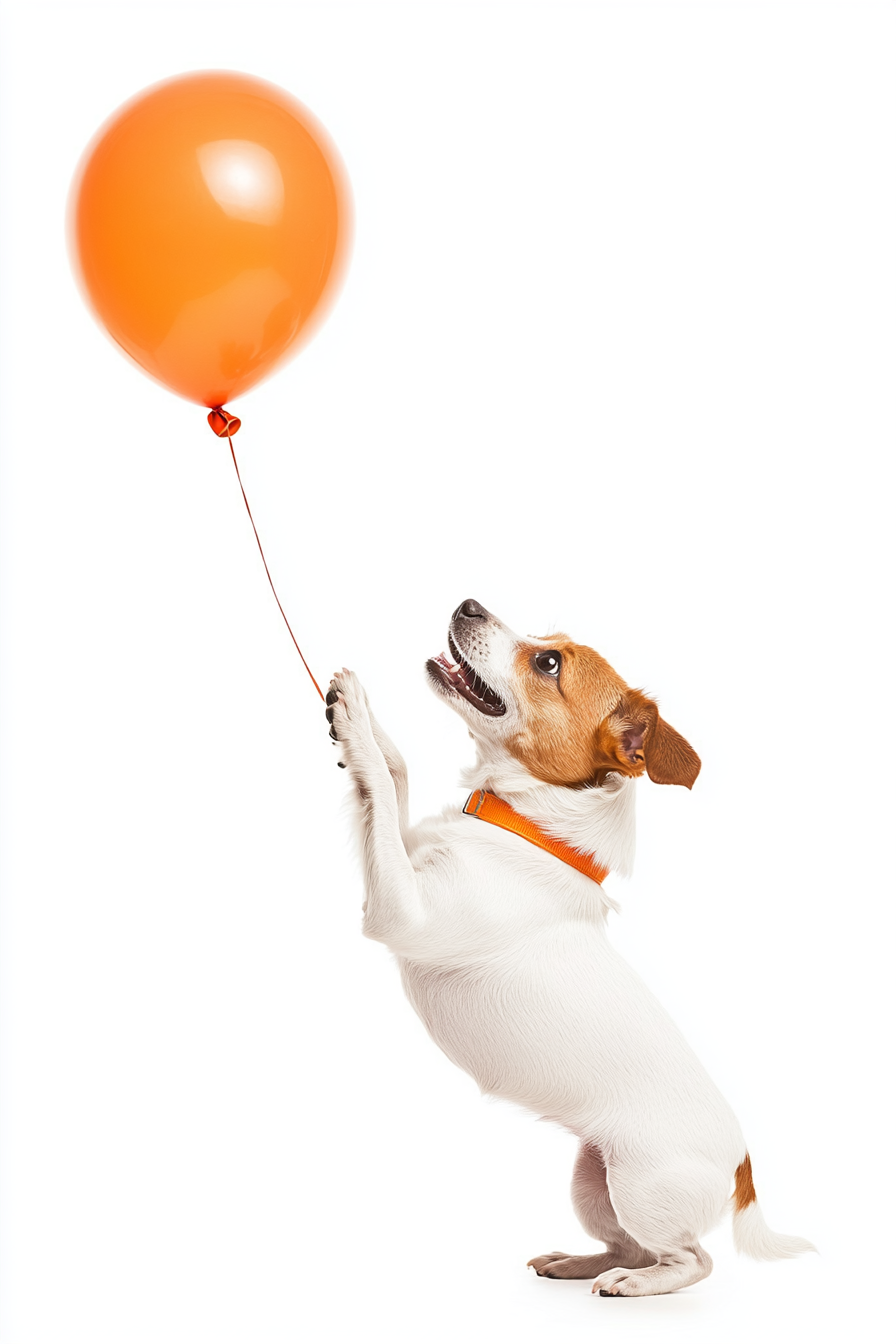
(470, 608)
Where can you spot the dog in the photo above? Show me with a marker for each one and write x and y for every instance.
(497, 917)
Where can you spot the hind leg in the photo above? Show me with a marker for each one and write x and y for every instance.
(591, 1201)
(666, 1209)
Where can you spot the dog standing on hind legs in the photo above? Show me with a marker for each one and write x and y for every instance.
(497, 916)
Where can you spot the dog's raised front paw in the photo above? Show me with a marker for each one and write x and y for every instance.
(349, 718)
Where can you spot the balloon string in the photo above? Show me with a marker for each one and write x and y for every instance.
(268, 572)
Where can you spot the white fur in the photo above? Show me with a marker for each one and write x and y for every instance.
(504, 954)
(752, 1236)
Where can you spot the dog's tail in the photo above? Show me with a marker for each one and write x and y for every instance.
(752, 1235)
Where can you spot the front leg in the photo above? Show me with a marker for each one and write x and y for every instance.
(393, 757)
(393, 911)
(397, 769)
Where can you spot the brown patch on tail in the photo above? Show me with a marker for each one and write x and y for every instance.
(744, 1194)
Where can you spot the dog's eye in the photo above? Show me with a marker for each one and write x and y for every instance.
(548, 662)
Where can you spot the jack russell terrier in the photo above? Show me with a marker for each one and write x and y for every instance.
(497, 916)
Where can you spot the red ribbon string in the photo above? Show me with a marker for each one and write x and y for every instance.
(229, 429)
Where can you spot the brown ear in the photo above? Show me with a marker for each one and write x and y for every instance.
(635, 738)
(670, 759)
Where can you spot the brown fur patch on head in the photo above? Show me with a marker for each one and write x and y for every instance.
(560, 714)
(586, 723)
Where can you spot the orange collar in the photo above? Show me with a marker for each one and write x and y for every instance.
(488, 807)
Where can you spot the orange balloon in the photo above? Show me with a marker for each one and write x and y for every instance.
(209, 225)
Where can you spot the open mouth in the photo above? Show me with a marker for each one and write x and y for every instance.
(457, 674)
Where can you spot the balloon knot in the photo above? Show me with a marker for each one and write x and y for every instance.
(223, 423)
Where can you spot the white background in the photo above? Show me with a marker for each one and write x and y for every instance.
(614, 356)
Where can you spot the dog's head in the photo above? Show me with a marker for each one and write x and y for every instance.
(557, 707)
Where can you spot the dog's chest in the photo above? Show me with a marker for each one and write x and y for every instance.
(538, 1025)
(514, 979)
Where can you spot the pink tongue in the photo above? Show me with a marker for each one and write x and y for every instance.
(455, 673)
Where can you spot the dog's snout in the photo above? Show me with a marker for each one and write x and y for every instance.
(470, 608)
